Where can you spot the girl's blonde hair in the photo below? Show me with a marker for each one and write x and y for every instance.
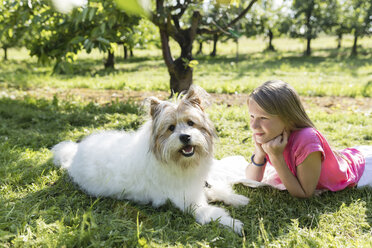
(279, 98)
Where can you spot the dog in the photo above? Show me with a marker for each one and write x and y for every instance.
(168, 158)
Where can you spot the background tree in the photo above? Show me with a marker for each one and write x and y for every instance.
(218, 16)
(182, 22)
(99, 25)
(358, 19)
(334, 23)
(140, 36)
(14, 22)
(307, 20)
(272, 18)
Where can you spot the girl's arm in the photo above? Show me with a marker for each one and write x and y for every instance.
(308, 172)
(252, 171)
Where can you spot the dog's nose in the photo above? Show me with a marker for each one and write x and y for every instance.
(185, 138)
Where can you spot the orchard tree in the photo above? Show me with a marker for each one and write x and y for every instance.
(14, 22)
(273, 20)
(308, 20)
(358, 20)
(141, 36)
(218, 16)
(335, 20)
(98, 25)
(181, 21)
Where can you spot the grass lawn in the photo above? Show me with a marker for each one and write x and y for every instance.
(41, 207)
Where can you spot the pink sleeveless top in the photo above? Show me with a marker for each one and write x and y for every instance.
(336, 173)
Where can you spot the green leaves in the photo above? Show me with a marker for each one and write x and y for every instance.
(135, 7)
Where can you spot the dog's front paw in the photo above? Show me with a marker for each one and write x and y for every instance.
(238, 227)
(238, 200)
(234, 224)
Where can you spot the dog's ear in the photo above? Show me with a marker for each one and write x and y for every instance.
(197, 97)
(153, 104)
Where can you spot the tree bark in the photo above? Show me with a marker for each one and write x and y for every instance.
(309, 13)
(200, 50)
(109, 64)
(271, 37)
(168, 21)
(131, 52)
(355, 45)
(215, 40)
(308, 46)
(125, 52)
(5, 53)
(339, 40)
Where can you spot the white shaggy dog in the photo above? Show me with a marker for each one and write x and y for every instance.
(167, 158)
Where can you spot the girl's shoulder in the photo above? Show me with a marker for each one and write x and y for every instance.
(306, 134)
(306, 137)
(304, 141)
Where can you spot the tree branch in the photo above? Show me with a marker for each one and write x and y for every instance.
(167, 55)
(195, 20)
(225, 28)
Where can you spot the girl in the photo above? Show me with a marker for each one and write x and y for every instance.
(290, 153)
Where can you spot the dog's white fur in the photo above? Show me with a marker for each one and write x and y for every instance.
(153, 164)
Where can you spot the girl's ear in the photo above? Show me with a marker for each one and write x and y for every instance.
(197, 97)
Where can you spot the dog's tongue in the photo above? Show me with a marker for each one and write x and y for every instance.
(187, 149)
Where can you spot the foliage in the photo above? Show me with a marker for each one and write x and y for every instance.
(60, 37)
(14, 22)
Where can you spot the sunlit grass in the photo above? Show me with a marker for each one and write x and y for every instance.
(41, 207)
(327, 72)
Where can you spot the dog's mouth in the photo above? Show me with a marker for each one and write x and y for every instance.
(187, 151)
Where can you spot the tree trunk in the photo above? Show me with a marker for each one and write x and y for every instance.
(179, 71)
(237, 50)
(355, 45)
(309, 28)
(125, 52)
(200, 50)
(109, 64)
(271, 37)
(180, 77)
(5, 53)
(308, 47)
(215, 40)
(131, 52)
(339, 39)
(170, 26)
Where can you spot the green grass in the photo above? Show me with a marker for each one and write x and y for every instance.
(41, 207)
(328, 72)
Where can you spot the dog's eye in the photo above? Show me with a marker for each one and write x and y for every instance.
(171, 128)
(190, 123)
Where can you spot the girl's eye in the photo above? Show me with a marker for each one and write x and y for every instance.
(171, 128)
(190, 123)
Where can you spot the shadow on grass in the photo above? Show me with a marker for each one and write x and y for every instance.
(38, 123)
(62, 214)
(275, 60)
(81, 220)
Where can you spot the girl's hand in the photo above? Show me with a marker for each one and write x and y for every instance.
(275, 147)
(259, 152)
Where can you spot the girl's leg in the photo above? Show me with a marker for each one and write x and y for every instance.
(366, 179)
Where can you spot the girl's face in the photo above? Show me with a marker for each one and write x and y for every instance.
(265, 126)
